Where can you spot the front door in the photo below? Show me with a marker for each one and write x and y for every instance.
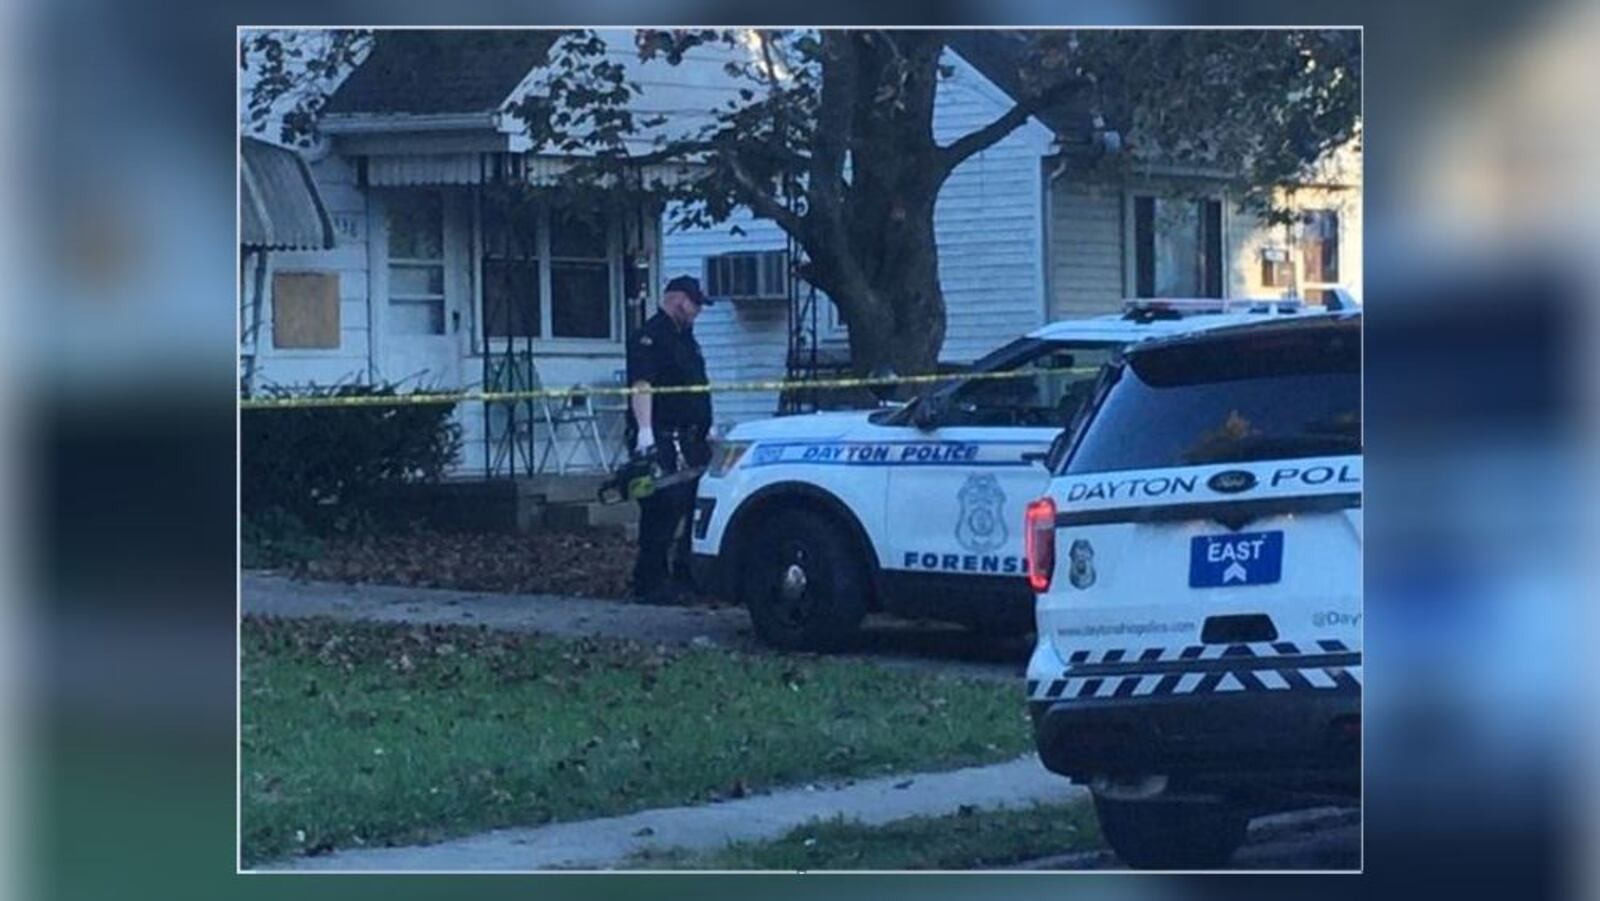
(421, 287)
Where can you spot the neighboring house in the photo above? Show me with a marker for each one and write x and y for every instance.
(1174, 232)
(1166, 234)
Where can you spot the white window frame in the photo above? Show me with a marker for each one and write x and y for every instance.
(266, 340)
(613, 261)
(545, 343)
(391, 297)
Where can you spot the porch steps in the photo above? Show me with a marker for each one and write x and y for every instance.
(574, 516)
(562, 489)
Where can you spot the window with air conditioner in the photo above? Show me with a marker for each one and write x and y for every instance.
(748, 275)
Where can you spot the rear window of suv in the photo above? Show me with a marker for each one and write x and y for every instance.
(1280, 394)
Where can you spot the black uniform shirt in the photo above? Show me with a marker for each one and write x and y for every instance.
(666, 356)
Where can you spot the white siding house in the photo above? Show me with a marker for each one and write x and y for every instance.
(449, 259)
(430, 294)
(1085, 248)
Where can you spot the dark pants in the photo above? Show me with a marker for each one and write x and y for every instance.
(664, 550)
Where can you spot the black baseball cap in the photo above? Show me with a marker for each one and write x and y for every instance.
(689, 285)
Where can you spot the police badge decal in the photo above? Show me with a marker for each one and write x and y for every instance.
(981, 526)
(1081, 558)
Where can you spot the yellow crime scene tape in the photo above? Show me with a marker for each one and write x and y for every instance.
(455, 397)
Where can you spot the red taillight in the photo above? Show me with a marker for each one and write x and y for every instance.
(1039, 531)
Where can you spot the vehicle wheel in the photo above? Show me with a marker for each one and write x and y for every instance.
(803, 582)
(1171, 835)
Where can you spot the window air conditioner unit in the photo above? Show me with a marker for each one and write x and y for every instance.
(748, 275)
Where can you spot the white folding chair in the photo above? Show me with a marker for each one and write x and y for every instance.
(575, 412)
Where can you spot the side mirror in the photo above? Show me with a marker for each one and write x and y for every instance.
(927, 414)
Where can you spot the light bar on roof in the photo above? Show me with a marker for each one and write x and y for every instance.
(1212, 304)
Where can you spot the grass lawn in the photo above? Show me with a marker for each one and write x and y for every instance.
(370, 734)
(963, 841)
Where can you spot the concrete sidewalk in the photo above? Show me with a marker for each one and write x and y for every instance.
(884, 641)
(606, 843)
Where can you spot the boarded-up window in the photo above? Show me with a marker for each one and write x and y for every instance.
(305, 309)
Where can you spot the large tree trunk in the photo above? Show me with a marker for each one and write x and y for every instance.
(894, 309)
(872, 247)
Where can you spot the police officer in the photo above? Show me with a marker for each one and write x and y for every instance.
(672, 428)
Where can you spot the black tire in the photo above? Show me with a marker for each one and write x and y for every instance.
(1171, 835)
(819, 609)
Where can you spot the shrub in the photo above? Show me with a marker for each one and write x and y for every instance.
(275, 538)
(326, 465)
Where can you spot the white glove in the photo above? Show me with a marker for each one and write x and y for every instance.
(645, 440)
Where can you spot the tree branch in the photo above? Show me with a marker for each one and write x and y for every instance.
(834, 110)
(761, 201)
(765, 41)
(672, 153)
(678, 151)
(953, 154)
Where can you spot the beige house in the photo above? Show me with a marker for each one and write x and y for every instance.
(1169, 231)
(1183, 235)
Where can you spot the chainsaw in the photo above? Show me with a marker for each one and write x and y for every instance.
(641, 476)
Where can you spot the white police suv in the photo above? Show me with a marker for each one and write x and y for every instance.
(812, 521)
(1197, 559)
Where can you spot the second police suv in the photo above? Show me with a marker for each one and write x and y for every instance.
(1198, 562)
(813, 521)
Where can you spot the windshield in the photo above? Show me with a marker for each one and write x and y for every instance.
(1293, 394)
(1053, 381)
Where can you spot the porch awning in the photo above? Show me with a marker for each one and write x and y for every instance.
(279, 205)
(399, 170)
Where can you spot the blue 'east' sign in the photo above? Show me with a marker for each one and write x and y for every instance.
(1238, 558)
